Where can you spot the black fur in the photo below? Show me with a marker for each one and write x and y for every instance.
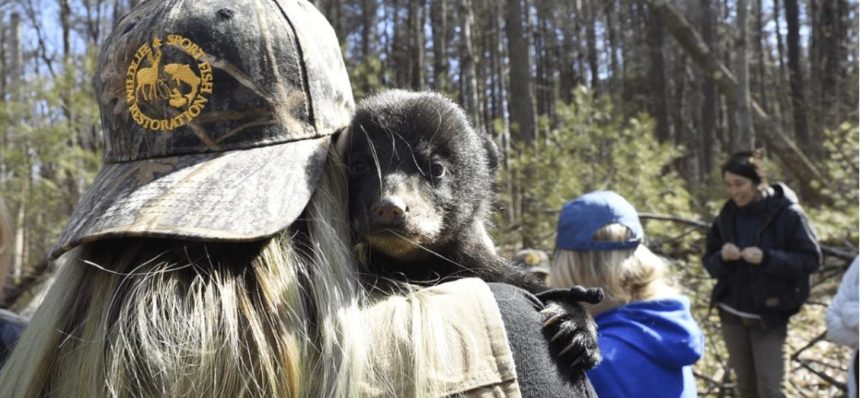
(420, 182)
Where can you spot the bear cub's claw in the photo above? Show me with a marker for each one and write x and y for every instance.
(570, 329)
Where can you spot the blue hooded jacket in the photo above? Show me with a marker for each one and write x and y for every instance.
(648, 348)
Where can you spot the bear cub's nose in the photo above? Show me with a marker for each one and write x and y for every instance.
(390, 211)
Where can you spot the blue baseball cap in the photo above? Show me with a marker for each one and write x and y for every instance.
(582, 217)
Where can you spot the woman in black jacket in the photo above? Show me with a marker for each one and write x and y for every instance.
(761, 249)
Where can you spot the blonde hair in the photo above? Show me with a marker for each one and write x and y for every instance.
(284, 317)
(625, 275)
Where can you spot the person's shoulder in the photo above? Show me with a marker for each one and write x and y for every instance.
(784, 200)
(520, 309)
(510, 295)
(792, 213)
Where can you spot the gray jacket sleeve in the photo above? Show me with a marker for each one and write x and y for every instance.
(842, 314)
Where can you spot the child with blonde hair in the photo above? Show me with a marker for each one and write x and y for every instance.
(646, 333)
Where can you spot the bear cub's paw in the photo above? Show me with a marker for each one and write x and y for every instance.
(570, 329)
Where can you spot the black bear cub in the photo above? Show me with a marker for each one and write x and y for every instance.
(421, 187)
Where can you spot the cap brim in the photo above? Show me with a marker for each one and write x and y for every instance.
(238, 195)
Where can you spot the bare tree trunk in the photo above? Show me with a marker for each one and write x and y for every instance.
(626, 65)
(812, 87)
(367, 27)
(503, 84)
(16, 62)
(550, 61)
(546, 53)
(367, 33)
(416, 50)
(395, 53)
(407, 60)
(760, 75)
(591, 41)
(16, 57)
(657, 80)
(723, 43)
(798, 102)
(783, 98)
(522, 108)
(502, 74)
(681, 120)
(467, 57)
(3, 63)
(66, 26)
(439, 29)
(780, 47)
(93, 20)
(830, 57)
(612, 36)
(388, 43)
(745, 136)
(567, 76)
(70, 182)
(709, 94)
(496, 50)
(482, 69)
(21, 246)
(810, 177)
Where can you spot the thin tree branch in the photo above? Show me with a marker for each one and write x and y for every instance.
(796, 355)
(42, 49)
(823, 376)
(679, 220)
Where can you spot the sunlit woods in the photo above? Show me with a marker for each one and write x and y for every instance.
(642, 97)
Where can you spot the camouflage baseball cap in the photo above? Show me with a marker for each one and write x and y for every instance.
(217, 117)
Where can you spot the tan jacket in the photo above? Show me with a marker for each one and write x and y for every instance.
(461, 311)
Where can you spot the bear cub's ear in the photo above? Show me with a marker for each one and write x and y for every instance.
(492, 151)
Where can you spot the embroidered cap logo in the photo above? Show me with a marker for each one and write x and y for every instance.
(165, 96)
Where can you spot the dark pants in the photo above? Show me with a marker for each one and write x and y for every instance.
(756, 354)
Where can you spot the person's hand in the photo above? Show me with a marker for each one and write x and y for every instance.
(752, 255)
(730, 252)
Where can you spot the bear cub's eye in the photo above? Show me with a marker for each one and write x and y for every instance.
(437, 169)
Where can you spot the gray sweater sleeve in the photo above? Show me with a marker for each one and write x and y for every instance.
(539, 375)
